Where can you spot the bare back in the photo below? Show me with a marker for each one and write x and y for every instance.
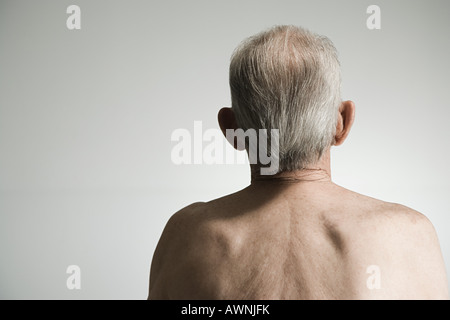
(298, 241)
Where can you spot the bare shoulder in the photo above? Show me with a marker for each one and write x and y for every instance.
(398, 223)
(400, 241)
(181, 222)
(410, 230)
(404, 243)
(387, 216)
(179, 251)
(421, 257)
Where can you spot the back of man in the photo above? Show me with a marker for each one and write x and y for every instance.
(300, 240)
(293, 234)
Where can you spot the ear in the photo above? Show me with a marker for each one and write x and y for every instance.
(345, 121)
(227, 121)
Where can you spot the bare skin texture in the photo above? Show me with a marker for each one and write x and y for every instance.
(297, 235)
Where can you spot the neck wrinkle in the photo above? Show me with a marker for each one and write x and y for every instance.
(303, 175)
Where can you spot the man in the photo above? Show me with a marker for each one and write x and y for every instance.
(295, 234)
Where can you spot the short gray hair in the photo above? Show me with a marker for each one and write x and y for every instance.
(288, 78)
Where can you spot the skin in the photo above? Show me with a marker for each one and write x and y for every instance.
(297, 235)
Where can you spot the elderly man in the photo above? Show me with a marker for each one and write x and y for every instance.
(295, 234)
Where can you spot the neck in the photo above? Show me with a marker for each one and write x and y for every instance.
(319, 172)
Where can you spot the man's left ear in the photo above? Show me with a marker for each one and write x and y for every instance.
(346, 118)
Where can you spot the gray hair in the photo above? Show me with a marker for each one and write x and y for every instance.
(288, 78)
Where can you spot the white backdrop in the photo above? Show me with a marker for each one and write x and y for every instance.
(86, 117)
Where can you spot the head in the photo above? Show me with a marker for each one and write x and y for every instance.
(288, 78)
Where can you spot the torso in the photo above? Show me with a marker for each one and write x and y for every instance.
(291, 242)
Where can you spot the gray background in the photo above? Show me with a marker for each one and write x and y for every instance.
(86, 117)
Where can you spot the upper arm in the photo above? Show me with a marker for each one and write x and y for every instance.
(430, 263)
(167, 252)
(422, 265)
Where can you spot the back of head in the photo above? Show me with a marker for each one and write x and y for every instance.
(288, 78)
